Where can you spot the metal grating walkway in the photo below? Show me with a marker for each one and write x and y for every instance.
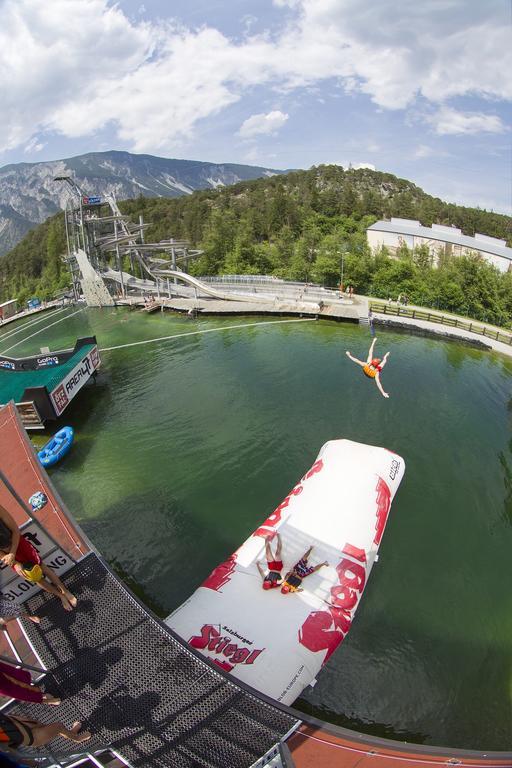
(137, 688)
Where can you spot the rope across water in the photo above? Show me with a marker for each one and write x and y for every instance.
(205, 330)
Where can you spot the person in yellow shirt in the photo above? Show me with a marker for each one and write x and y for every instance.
(17, 552)
(372, 367)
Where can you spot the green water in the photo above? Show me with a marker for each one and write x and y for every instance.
(183, 447)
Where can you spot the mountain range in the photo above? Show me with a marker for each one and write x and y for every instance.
(29, 194)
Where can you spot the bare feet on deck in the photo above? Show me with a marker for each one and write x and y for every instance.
(49, 699)
(78, 737)
(70, 598)
(65, 603)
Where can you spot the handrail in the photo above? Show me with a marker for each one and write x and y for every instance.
(473, 326)
(21, 664)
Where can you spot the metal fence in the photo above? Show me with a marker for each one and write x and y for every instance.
(244, 279)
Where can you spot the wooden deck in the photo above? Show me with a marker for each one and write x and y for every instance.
(326, 746)
(21, 469)
(153, 306)
(348, 312)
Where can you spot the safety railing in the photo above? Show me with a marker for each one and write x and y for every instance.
(248, 279)
(44, 757)
(497, 334)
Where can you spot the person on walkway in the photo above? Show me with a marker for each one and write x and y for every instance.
(17, 552)
(10, 610)
(272, 577)
(373, 366)
(20, 732)
(17, 684)
(293, 579)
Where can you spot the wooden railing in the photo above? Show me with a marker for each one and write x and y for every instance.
(498, 334)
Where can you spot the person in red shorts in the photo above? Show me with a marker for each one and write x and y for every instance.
(272, 578)
(17, 552)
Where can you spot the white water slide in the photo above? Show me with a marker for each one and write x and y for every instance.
(202, 288)
(276, 641)
(129, 280)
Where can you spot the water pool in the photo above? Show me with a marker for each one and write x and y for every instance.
(183, 447)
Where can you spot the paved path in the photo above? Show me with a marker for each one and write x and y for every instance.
(30, 312)
(446, 331)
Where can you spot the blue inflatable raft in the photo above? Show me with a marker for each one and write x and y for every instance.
(57, 447)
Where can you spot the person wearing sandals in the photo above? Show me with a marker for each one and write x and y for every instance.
(20, 732)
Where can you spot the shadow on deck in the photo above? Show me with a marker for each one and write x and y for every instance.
(137, 688)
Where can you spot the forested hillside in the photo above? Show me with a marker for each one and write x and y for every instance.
(29, 193)
(297, 226)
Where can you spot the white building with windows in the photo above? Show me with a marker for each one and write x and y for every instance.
(438, 238)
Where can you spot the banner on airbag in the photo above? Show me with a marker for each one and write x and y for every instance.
(276, 642)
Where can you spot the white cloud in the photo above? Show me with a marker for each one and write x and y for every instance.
(423, 150)
(451, 121)
(75, 67)
(262, 124)
(287, 3)
(357, 166)
(53, 58)
(34, 145)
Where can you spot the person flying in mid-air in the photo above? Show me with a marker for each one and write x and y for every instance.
(372, 367)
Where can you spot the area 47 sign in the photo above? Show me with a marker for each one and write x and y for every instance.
(74, 381)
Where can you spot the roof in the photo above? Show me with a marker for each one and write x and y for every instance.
(444, 235)
(6, 303)
(14, 383)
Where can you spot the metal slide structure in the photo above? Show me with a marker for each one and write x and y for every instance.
(100, 237)
(102, 241)
(128, 280)
(203, 288)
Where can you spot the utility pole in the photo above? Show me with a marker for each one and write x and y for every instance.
(119, 262)
(344, 250)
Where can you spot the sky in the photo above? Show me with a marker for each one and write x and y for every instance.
(421, 89)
